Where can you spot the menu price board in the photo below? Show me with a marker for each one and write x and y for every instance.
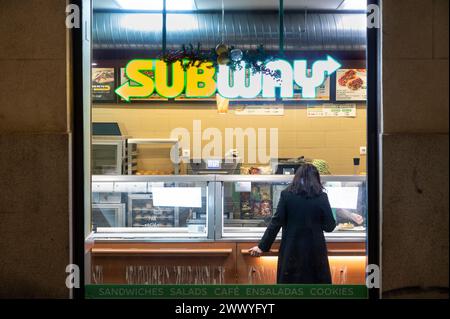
(260, 110)
(103, 84)
(149, 73)
(351, 85)
(331, 110)
(183, 97)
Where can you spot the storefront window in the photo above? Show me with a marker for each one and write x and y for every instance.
(201, 118)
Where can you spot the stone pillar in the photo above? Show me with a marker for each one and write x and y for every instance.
(415, 141)
(34, 149)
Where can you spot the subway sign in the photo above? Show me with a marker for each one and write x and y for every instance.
(204, 81)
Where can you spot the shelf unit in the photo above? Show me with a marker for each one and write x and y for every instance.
(174, 152)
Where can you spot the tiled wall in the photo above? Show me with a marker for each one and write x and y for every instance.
(336, 140)
(34, 144)
(415, 233)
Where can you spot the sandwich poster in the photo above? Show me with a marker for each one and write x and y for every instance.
(103, 85)
(351, 85)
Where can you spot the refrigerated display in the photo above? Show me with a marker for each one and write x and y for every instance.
(205, 223)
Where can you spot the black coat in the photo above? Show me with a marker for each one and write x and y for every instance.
(303, 257)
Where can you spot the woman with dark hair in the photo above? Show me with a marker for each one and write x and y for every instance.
(304, 213)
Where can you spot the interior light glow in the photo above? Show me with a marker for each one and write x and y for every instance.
(354, 5)
(354, 22)
(152, 22)
(156, 5)
(182, 22)
(222, 104)
(141, 22)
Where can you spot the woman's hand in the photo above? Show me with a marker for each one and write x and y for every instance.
(255, 251)
(357, 218)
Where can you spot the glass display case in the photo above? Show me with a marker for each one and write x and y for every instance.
(108, 154)
(108, 215)
(219, 207)
(164, 207)
(249, 201)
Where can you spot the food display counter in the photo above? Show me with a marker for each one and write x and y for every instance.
(198, 229)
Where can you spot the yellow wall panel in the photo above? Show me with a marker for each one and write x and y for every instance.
(336, 140)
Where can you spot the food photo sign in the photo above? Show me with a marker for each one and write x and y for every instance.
(351, 85)
(103, 84)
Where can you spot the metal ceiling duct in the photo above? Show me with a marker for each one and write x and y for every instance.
(311, 32)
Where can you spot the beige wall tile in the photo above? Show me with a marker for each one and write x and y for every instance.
(33, 96)
(311, 139)
(415, 211)
(415, 97)
(33, 29)
(352, 124)
(297, 134)
(407, 29)
(287, 139)
(326, 124)
(346, 139)
(34, 214)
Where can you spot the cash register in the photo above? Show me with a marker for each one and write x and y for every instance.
(287, 166)
(214, 166)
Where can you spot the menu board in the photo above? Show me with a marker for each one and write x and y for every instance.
(351, 85)
(260, 110)
(150, 74)
(331, 110)
(103, 84)
(322, 92)
(182, 97)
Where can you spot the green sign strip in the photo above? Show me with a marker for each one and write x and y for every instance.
(226, 292)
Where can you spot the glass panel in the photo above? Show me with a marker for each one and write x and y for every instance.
(349, 205)
(153, 209)
(104, 159)
(105, 217)
(249, 206)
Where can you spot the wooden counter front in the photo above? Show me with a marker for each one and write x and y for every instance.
(347, 264)
(210, 263)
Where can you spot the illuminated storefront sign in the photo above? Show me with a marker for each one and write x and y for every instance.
(202, 81)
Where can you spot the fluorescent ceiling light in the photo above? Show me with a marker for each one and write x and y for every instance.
(354, 5)
(152, 22)
(156, 5)
(354, 22)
